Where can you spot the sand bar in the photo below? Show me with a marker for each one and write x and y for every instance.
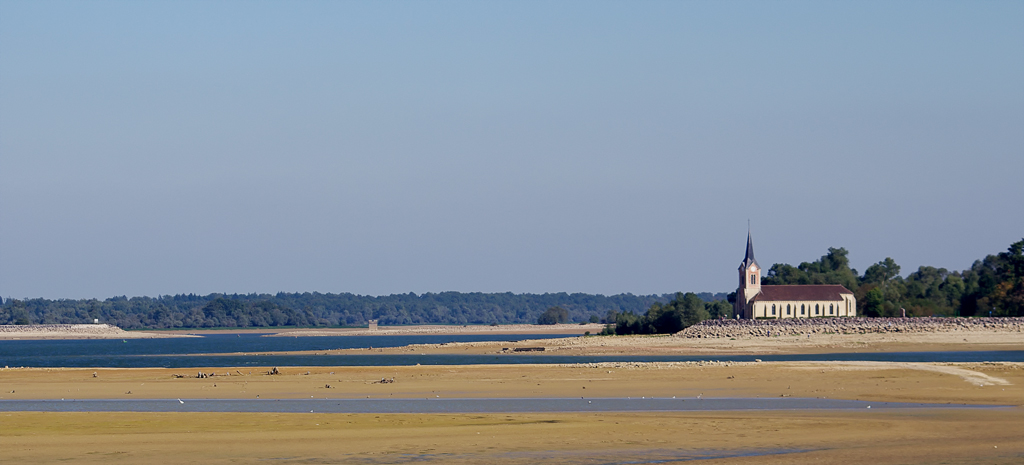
(94, 331)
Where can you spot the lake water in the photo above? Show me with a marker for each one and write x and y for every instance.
(188, 352)
(507, 405)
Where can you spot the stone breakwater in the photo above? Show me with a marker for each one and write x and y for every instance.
(800, 326)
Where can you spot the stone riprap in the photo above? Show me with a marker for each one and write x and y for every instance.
(799, 326)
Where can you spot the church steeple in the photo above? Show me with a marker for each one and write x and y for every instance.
(750, 279)
(749, 258)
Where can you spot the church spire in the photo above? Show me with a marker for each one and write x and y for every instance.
(749, 258)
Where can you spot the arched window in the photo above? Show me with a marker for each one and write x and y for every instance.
(787, 309)
(753, 279)
(815, 309)
(829, 309)
(773, 309)
(801, 309)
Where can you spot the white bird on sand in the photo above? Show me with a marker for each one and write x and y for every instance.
(181, 401)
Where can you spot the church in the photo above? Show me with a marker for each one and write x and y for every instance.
(788, 301)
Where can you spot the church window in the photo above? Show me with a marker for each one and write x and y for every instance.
(753, 279)
(801, 309)
(773, 309)
(815, 309)
(787, 309)
(829, 309)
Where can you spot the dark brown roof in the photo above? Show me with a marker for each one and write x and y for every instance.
(802, 292)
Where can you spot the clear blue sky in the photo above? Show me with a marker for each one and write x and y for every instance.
(193, 147)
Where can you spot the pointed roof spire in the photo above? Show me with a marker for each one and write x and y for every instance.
(749, 258)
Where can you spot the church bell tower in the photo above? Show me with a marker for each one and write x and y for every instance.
(750, 281)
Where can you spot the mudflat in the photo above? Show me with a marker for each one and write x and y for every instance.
(974, 383)
(860, 437)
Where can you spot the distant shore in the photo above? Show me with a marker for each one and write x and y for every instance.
(94, 331)
(592, 328)
(579, 329)
(104, 331)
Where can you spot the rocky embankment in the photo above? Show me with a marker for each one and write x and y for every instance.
(95, 331)
(797, 326)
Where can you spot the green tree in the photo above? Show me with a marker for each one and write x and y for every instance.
(874, 303)
(1007, 298)
(629, 323)
(553, 315)
(682, 312)
(882, 272)
(693, 310)
(719, 309)
(831, 268)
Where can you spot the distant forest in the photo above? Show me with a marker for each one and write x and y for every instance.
(316, 309)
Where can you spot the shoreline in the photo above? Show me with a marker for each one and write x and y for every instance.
(76, 331)
(638, 345)
(104, 331)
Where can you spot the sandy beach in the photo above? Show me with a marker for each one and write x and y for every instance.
(976, 383)
(710, 347)
(94, 331)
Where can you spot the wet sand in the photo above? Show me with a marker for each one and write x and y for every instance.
(861, 437)
(1000, 383)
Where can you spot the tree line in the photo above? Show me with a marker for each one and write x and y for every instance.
(993, 286)
(317, 309)
(685, 310)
